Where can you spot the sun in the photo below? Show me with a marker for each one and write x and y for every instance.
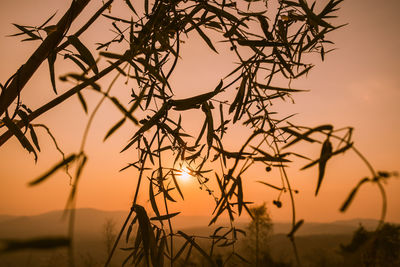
(185, 175)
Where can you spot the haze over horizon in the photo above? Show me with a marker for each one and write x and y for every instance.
(357, 85)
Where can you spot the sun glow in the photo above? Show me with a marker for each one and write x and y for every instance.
(185, 175)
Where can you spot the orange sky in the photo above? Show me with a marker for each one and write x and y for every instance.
(358, 85)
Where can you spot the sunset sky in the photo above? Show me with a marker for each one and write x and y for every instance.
(357, 85)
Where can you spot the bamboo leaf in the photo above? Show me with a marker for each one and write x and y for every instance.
(177, 185)
(153, 200)
(195, 245)
(114, 128)
(36, 243)
(82, 101)
(148, 150)
(34, 137)
(160, 254)
(26, 31)
(128, 2)
(210, 124)
(194, 102)
(148, 238)
(164, 217)
(279, 89)
(178, 254)
(270, 185)
(237, 103)
(326, 154)
(80, 167)
(76, 61)
(264, 27)
(51, 59)
(25, 119)
(221, 12)
(84, 52)
(204, 36)
(123, 110)
(47, 21)
(283, 62)
(53, 170)
(268, 157)
(305, 135)
(240, 195)
(254, 43)
(128, 232)
(352, 194)
(16, 131)
(295, 228)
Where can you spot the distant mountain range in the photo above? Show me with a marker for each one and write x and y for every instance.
(90, 222)
(315, 241)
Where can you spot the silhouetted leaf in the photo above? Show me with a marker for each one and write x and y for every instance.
(194, 244)
(153, 200)
(82, 101)
(47, 21)
(34, 137)
(37, 243)
(148, 124)
(179, 253)
(128, 2)
(240, 195)
(53, 170)
(268, 157)
(76, 61)
(326, 153)
(201, 132)
(264, 27)
(84, 52)
(270, 185)
(114, 128)
(204, 36)
(295, 228)
(176, 184)
(241, 258)
(283, 62)
(123, 110)
(352, 194)
(304, 136)
(263, 43)
(148, 238)
(25, 119)
(279, 89)
(237, 103)
(82, 78)
(51, 59)
(210, 124)
(128, 232)
(193, 102)
(221, 12)
(16, 131)
(164, 217)
(80, 167)
(24, 30)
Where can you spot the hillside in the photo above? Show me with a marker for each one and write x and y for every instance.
(315, 239)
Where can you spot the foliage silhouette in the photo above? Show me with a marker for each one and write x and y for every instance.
(379, 248)
(259, 230)
(270, 40)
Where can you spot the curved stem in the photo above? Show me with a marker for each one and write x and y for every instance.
(71, 223)
(374, 179)
(89, 123)
(292, 238)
